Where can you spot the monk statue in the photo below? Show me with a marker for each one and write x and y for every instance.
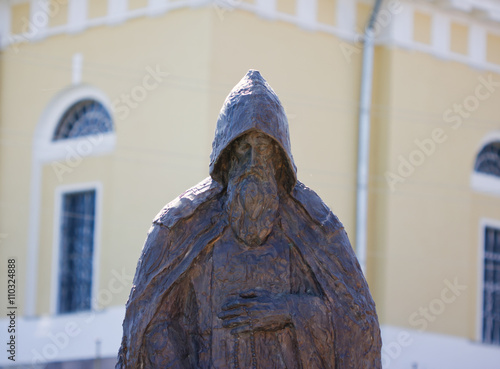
(249, 269)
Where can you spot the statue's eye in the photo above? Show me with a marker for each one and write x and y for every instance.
(264, 149)
(242, 148)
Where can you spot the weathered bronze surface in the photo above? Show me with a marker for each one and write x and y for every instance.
(249, 269)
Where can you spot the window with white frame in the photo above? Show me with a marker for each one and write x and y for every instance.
(488, 160)
(491, 286)
(77, 236)
(486, 174)
(85, 117)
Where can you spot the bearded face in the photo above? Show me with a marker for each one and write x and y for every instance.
(252, 188)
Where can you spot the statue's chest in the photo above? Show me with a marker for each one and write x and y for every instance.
(238, 267)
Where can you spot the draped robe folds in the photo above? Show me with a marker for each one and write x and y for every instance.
(162, 321)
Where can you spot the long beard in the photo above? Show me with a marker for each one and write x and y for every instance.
(253, 205)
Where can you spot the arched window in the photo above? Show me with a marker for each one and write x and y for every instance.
(486, 174)
(84, 118)
(488, 159)
(77, 123)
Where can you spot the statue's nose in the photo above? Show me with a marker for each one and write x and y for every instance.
(254, 157)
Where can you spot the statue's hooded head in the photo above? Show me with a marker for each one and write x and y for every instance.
(252, 105)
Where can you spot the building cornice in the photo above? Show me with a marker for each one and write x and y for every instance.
(481, 17)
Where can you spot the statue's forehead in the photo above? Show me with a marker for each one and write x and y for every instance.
(255, 136)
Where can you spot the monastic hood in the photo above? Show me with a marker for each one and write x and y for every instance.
(251, 105)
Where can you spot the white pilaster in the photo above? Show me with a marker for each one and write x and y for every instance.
(117, 11)
(76, 68)
(266, 8)
(77, 15)
(440, 34)
(157, 7)
(39, 19)
(307, 13)
(400, 30)
(477, 43)
(5, 24)
(346, 15)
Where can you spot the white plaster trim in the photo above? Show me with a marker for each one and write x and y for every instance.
(39, 19)
(440, 34)
(398, 34)
(5, 24)
(34, 223)
(401, 28)
(76, 69)
(56, 247)
(346, 16)
(157, 7)
(117, 11)
(307, 14)
(39, 337)
(266, 8)
(485, 183)
(408, 348)
(477, 43)
(44, 151)
(77, 15)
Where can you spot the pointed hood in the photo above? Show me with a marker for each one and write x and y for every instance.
(251, 105)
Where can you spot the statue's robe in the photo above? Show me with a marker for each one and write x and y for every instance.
(170, 322)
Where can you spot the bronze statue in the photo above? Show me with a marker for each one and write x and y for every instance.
(249, 269)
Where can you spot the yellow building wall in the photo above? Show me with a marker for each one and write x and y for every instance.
(422, 27)
(161, 148)
(433, 216)
(20, 18)
(459, 34)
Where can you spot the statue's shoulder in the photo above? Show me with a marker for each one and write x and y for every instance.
(314, 206)
(187, 203)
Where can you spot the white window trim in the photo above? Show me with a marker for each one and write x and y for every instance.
(483, 223)
(56, 247)
(482, 182)
(45, 151)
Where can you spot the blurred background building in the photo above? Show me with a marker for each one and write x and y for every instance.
(108, 109)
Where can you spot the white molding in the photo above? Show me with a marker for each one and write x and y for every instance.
(34, 226)
(157, 7)
(60, 191)
(117, 11)
(485, 183)
(66, 337)
(266, 8)
(401, 28)
(306, 11)
(440, 34)
(482, 17)
(5, 24)
(346, 16)
(477, 43)
(45, 151)
(409, 348)
(76, 68)
(39, 19)
(77, 15)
